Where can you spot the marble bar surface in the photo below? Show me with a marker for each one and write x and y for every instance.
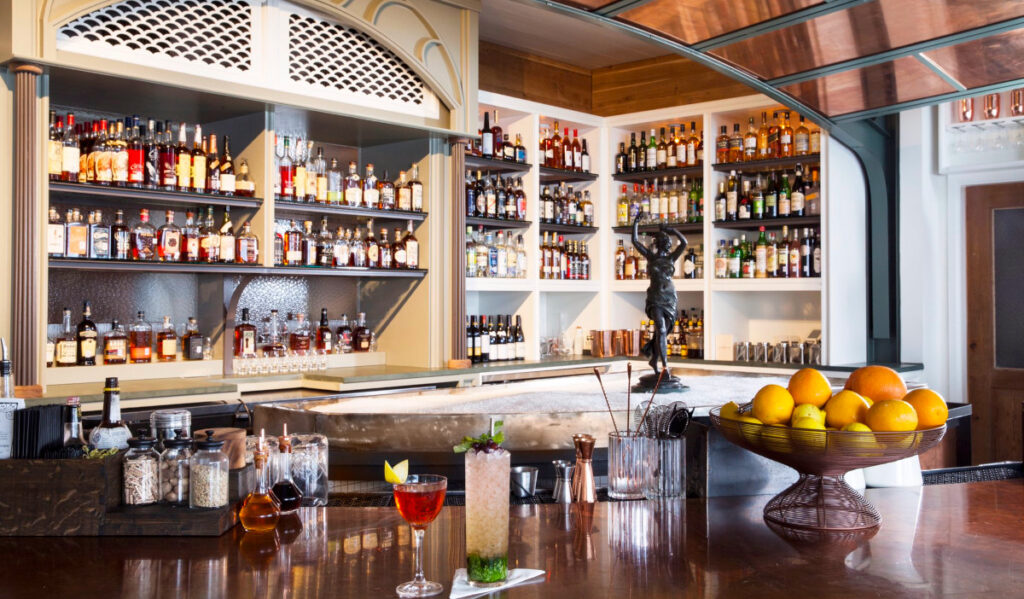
(961, 540)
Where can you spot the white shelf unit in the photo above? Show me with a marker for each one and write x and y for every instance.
(740, 309)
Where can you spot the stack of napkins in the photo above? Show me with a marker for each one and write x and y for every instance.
(516, 576)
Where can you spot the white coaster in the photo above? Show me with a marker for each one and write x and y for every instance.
(516, 576)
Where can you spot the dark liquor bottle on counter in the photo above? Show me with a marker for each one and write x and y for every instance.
(245, 337)
(66, 344)
(140, 340)
(301, 338)
(362, 337)
(259, 511)
(324, 335)
(288, 495)
(111, 432)
(87, 338)
(192, 341)
(167, 342)
(115, 344)
(74, 438)
(344, 336)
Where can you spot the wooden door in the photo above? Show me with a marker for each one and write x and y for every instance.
(995, 318)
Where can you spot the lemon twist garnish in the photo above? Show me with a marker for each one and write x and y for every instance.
(396, 474)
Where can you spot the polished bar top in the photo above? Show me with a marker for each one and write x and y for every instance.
(965, 540)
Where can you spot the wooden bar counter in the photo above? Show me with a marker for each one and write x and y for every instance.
(965, 540)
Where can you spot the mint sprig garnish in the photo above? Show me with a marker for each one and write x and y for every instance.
(485, 442)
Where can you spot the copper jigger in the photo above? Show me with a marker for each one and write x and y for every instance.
(630, 342)
(583, 488)
(601, 344)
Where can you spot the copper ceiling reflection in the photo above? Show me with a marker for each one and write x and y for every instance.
(692, 21)
(993, 59)
(901, 80)
(588, 4)
(860, 31)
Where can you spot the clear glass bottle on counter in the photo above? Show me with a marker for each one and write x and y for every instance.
(288, 495)
(259, 511)
(174, 470)
(208, 474)
(141, 470)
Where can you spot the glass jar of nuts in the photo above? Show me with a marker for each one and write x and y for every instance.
(174, 467)
(208, 474)
(141, 472)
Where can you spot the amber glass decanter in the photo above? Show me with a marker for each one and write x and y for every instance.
(259, 511)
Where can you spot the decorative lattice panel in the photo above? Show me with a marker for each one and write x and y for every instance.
(332, 56)
(217, 33)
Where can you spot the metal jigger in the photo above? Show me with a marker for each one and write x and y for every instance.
(583, 488)
(563, 481)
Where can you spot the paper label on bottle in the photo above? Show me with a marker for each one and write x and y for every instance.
(54, 157)
(171, 243)
(786, 138)
(249, 343)
(169, 347)
(688, 267)
(734, 265)
(720, 267)
(227, 183)
(744, 212)
(104, 167)
(115, 349)
(7, 409)
(199, 173)
(136, 168)
(485, 344)
(67, 352)
(227, 248)
(78, 242)
(405, 200)
(373, 253)
(487, 143)
(192, 247)
(321, 189)
(784, 208)
(55, 239)
(371, 197)
(70, 160)
(816, 264)
(87, 344)
(794, 260)
(417, 198)
(730, 202)
(797, 201)
(353, 196)
(400, 257)
(184, 170)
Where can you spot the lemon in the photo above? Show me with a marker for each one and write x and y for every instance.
(806, 410)
(857, 427)
(396, 474)
(811, 423)
(730, 411)
(808, 434)
(752, 435)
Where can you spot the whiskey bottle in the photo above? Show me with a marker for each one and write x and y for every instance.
(121, 238)
(341, 254)
(86, 338)
(773, 136)
(801, 139)
(786, 137)
(344, 336)
(119, 157)
(621, 160)
(371, 193)
(190, 239)
(404, 192)
(143, 240)
(762, 137)
(324, 334)
(722, 146)
(70, 156)
(274, 345)
(415, 190)
(324, 245)
(321, 177)
(115, 344)
(761, 256)
(140, 340)
(226, 252)
(99, 237)
(76, 236)
(192, 341)
(693, 146)
(797, 196)
(228, 184)
(66, 344)
(520, 149)
(104, 155)
(213, 166)
(209, 238)
(247, 246)
(301, 338)
(353, 187)
(312, 172)
(55, 244)
(782, 253)
(387, 192)
(795, 266)
(286, 173)
(357, 250)
(151, 155)
(112, 432)
(245, 337)
(736, 144)
(398, 255)
(372, 248)
(169, 240)
(198, 170)
(334, 193)
(183, 168)
(362, 335)
(301, 172)
(308, 245)
(750, 142)
(167, 342)
(136, 156)
(168, 159)
(293, 245)
(633, 155)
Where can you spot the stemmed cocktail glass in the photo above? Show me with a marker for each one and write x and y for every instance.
(419, 500)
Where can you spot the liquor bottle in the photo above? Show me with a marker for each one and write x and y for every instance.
(115, 344)
(183, 170)
(119, 157)
(749, 259)
(245, 337)
(771, 198)
(404, 194)
(86, 339)
(387, 192)
(520, 339)
(324, 334)
(498, 137)
(782, 254)
(299, 178)
(168, 160)
(301, 339)
(66, 344)
(812, 194)
(693, 144)
(198, 171)
(69, 152)
(761, 256)
(136, 157)
(111, 432)
(357, 250)
(103, 151)
(415, 190)
(757, 200)
(226, 252)
(324, 245)
(732, 198)
(213, 167)
(786, 137)
(312, 172)
(143, 238)
(260, 512)
(633, 155)
(151, 155)
(485, 341)
(773, 136)
(287, 172)
(621, 160)
(736, 144)
(487, 137)
(806, 254)
(99, 238)
(816, 256)
(815, 143)
(353, 187)
(273, 345)
(750, 142)
(55, 148)
(168, 245)
(288, 495)
(334, 189)
(386, 259)
(797, 196)
(166, 342)
(140, 340)
(471, 339)
(802, 139)
(661, 152)
(76, 236)
(520, 149)
(557, 149)
(228, 184)
(307, 245)
(321, 177)
(192, 341)
(652, 153)
(344, 336)
(85, 140)
(371, 193)
(247, 246)
(771, 257)
(362, 336)
(372, 247)
(577, 153)
(411, 247)
(209, 239)
(785, 202)
(722, 146)
(74, 437)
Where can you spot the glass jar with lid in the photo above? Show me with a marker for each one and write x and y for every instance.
(309, 467)
(174, 470)
(208, 474)
(168, 424)
(141, 472)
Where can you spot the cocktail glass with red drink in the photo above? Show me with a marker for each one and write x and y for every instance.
(419, 500)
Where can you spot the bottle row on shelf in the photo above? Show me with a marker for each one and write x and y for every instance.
(195, 241)
(495, 143)
(659, 153)
(278, 338)
(83, 346)
(796, 256)
(685, 339)
(492, 197)
(632, 266)
(301, 177)
(768, 197)
(566, 207)
(669, 203)
(127, 153)
(565, 260)
(495, 339)
(493, 255)
(304, 247)
(776, 140)
(558, 151)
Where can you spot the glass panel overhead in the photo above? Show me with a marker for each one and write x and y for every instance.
(993, 59)
(692, 21)
(901, 80)
(862, 30)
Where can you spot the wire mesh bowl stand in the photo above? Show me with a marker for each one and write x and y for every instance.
(821, 499)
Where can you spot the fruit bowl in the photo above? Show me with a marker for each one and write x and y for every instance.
(821, 499)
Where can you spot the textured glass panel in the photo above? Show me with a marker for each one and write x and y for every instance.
(860, 31)
(993, 59)
(879, 85)
(693, 21)
(120, 295)
(1007, 231)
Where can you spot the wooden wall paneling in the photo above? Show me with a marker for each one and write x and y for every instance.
(659, 83)
(512, 73)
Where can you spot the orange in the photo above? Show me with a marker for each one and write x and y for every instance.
(807, 385)
(930, 407)
(773, 404)
(877, 382)
(892, 415)
(846, 407)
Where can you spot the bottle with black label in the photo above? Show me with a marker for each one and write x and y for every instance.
(87, 337)
(192, 340)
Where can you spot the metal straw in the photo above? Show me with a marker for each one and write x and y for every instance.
(653, 393)
(597, 373)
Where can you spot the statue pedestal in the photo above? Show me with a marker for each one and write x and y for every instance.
(669, 384)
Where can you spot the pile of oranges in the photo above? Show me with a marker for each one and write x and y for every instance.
(875, 398)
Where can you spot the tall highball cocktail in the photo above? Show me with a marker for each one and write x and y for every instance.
(487, 495)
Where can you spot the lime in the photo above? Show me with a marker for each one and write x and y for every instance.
(396, 474)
